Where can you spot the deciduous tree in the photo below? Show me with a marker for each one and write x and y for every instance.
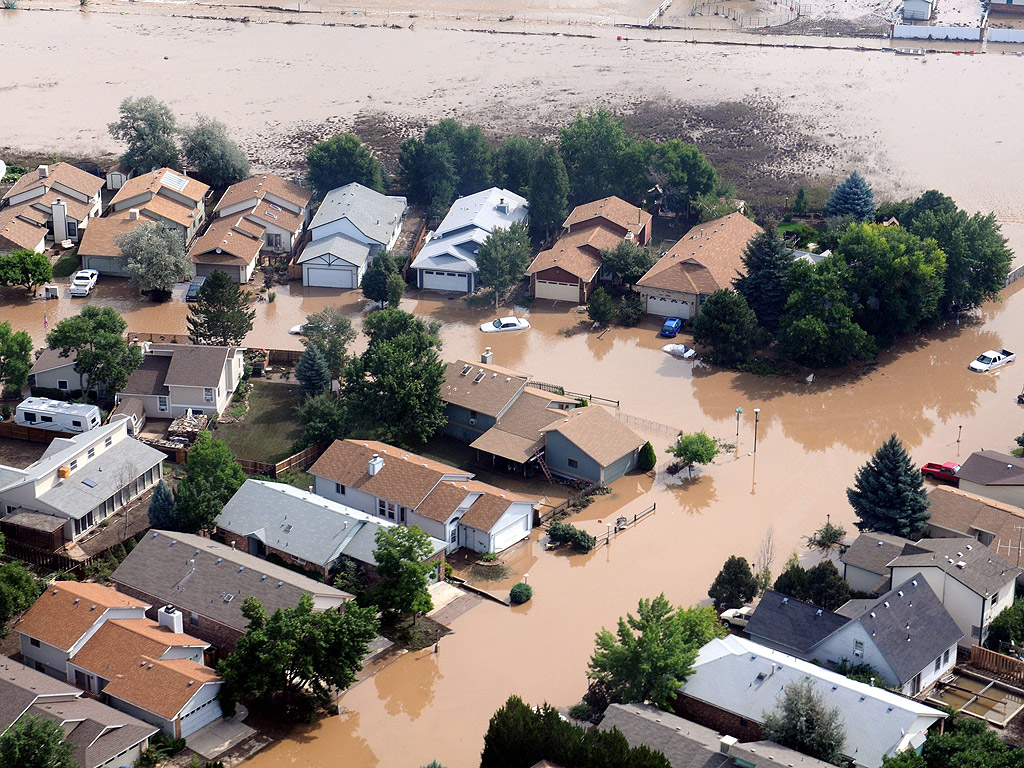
(18, 590)
(628, 260)
(211, 152)
(601, 160)
(95, 338)
(330, 331)
(548, 195)
(15, 358)
(735, 585)
(693, 448)
(323, 419)
(888, 493)
(211, 478)
(312, 372)
(25, 268)
(600, 307)
(805, 722)
(512, 163)
(450, 159)
(852, 198)
(502, 259)
(149, 129)
(221, 314)
(403, 576)
(825, 587)
(728, 325)
(375, 278)
(683, 172)
(36, 742)
(341, 160)
(153, 256)
(766, 264)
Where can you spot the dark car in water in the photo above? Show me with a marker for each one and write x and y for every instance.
(192, 294)
(671, 327)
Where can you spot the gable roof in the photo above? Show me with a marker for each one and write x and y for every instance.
(873, 551)
(613, 209)
(67, 609)
(578, 252)
(161, 178)
(345, 248)
(50, 359)
(747, 679)
(992, 468)
(21, 227)
(481, 387)
(705, 259)
(982, 570)
(98, 733)
(791, 623)
(375, 215)
(597, 433)
(968, 515)
(404, 478)
(225, 241)
(199, 575)
(482, 512)
(100, 237)
(149, 378)
(194, 365)
(519, 432)
(60, 173)
(21, 687)
(255, 187)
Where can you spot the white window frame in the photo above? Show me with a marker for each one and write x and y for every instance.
(162, 403)
(208, 394)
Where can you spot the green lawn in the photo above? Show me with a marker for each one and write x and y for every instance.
(270, 428)
(67, 264)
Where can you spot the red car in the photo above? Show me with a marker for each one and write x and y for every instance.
(944, 472)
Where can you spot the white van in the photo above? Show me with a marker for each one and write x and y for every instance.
(57, 415)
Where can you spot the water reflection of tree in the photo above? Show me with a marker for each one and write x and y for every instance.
(408, 687)
(599, 344)
(357, 750)
(694, 495)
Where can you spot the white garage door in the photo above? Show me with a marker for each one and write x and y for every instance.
(668, 307)
(197, 718)
(509, 535)
(445, 281)
(324, 277)
(547, 289)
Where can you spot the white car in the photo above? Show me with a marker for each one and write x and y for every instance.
(297, 330)
(83, 282)
(992, 359)
(506, 324)
(680, 351)
(737, 617)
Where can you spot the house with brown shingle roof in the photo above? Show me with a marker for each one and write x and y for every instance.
(999, 526)
(591, 445)
(476, 395)
(149, 669)
(706, 259)
(445, 502)
(231, 244)
(53, 202)
(993, 475)
(570, 269)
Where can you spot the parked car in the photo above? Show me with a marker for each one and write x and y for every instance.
(506, 324)
(737, 617)
(944, 472)
(680, 350)
(297, 330)
(992, 359)
(192, 294)
(671, 327)
(83, 282)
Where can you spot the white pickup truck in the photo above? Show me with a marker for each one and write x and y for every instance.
(737, 617)
(992, 359)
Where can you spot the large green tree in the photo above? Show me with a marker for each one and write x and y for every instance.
(323, 418)
(211, 478)
(297, 657)
(682, 172)
(95, 338)
(36, 742)
(963, 742)
(25, 268)
(512, 163)
(221, 314)
(149, 129)
(651, 654)
(825, 587)
(375, 278)
(600, 307)
(18, 590)
(804, 721)
(628, 260)
(734, 585)
(692, 448)
(502, 259)
(548, 195)
(728, 325)
(312, 372)
(331, 331)
(766, 264)
(888, 493)
(153, 256)
(341, 160)
(210, 151)
(403, 576)
(15, 358)
(852, 198)
(449, 160)
(601, 160)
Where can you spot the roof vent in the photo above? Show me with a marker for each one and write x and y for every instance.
(914, 582)
(881, 543)
(900, 593)
(961, 565)
(263, 577)
(77, 599)
(280, 584)
(872, 614)
(886, 603)
(818, 612)
(241, 568)
(785, 600)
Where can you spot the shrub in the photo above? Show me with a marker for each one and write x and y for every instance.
(583, 541)
(582, 712)
(630, 310)
(648, 458)
(521, 593)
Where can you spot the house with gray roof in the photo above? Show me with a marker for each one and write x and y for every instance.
(302, 528)
(906, 634)
(447, 260)
(350, 227)
(866, 561)
(686, 744)
(994, 475)
(208, 582)
(736, 682)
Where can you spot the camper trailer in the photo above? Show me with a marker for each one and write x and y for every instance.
(57, 415)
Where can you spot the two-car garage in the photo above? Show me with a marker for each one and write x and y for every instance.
(557, 291)
(329, 277)
(438, 280)
(667, 306)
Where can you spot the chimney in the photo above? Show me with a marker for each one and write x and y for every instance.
(630, 237)
(487, 357)
(133, 214)
(375, 465)
(171, 618)
(726, 743)
(59, 214)
(44, 171)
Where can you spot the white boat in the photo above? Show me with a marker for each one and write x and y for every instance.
(909, 51)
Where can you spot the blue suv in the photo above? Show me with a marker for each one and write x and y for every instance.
(671, 327)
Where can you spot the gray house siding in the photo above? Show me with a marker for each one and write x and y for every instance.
(619, 468)
(559, 452)
(458, 425)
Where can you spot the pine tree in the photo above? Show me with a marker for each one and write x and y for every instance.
(312, 372)
(888, 494)
(766, 263)
(221, 314)
(734, 585)
(800, 203)
(162, 509)
(825, 587)
(852, 198)
(601, 308)
(548, 193)
(648, 458)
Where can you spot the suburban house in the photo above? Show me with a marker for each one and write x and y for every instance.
(350, 227)
(232, 245)
(447, 260)
(866, 561)
(973, 582)
(51, 371)
(1006, 6)
(445, 502)
(102, 642)
(55, 202)
(78, 483)
(175, 378)
(994, 475)
(688, 745)
(705, 260)
(736, 681)
(570, 269)
(905, 634)
(100, 736)
(303, 528)
(591, 445)
(999, 526)
(208, 581)
(163, 197)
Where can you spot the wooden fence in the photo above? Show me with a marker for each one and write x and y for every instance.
(283, 356)
(298, 461)
(51, 561)
(557, 390)
(997, 663)
(605, 538)
(31, 434)
(542, 517)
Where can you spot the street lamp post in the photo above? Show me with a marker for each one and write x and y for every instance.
(739, 412)
(757, 418)
(959, 430)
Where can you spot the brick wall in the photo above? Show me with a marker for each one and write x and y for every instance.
(717, 719)
(241, 543)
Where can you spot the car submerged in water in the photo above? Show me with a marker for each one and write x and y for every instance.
(83, 282)
(506, 324)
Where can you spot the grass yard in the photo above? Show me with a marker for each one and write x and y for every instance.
(270, 428)
(67, 264)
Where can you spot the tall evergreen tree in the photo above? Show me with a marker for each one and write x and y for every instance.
(312, 372)
(734, 585)
(221, 315)
(766, 263)
(825, 587)
(800, 202)
(728, 325)
(211, 478)
(162, 509)
(548, 194)
(888, 493)
(852, 198)
(375, 278)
